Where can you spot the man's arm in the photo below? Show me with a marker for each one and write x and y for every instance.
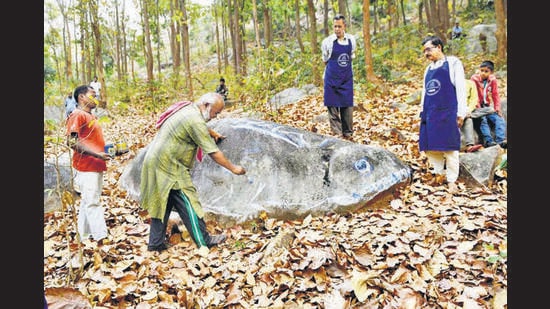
(220, 158)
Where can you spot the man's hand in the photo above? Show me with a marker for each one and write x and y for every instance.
(459, 121)
(216, 136)
(238, 170)
(104, 156)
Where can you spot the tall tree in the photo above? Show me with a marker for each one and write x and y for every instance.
(98, 59)
(148, 52)
(257, 34)
(437, 16)
(66, 41)
(268, 28)
(157, 34)
(217, 32)
(125, 54)
(184, 30)
(502, 41)
(174, 36)
(368, 48)
(237, 37)
(118, 47)
(297, 22)
(313, 40)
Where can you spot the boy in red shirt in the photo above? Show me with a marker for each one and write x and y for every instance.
(488, 96)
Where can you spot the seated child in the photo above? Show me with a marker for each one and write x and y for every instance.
(488, 96)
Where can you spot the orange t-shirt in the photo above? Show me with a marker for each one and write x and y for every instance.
(89, 134)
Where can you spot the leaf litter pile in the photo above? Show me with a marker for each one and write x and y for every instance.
(423, 248)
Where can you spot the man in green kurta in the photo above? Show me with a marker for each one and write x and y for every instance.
(166, 171)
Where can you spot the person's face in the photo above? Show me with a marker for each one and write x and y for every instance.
(211, 110)
(89, 98)
(484, 72)
(215, 109)
(431, 52)
(339, 27)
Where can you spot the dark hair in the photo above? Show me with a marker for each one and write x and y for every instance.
(488, 64)
(83, 89)
(435, 41)
(222, 79)
(340, 17)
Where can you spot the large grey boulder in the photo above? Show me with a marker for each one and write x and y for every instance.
(478, 168)
(291, 173)
(482, 39)
(58, 177)
(285, 97)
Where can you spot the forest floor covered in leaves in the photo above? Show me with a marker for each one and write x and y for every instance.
(424, 248)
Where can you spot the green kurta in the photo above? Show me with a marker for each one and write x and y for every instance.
(170, 158)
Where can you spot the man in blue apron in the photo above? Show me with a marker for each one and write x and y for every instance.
(443, 110)
(338, 49)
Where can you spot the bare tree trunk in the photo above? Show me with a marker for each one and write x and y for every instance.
(118, 51)
(297, 21)
(257, 34)
(67, 53)
(147, 43)
(217, 30)
(342, 8)
(242, 39)
(325, 18)
(437, 15)
(366, 38)
(185, 47)
(174, 35)
(268, 36)
(157, 34)
(238, 40)
(389, 12)
(83, 39)
(403, 11)
(125, 52)
(225, 23)
(314, 47)
(93, 10)
(502, 41)
(376, 25)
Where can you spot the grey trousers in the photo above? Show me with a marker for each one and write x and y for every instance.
(468, 125)
(341, 120)
(468, 130)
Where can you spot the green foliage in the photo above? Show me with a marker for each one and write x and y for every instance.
(49, 74)
(279, 67)
(494, 258)
(50, 125)
(239, 245)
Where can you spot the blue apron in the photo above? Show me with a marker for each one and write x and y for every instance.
(338, 88)
(438, 127)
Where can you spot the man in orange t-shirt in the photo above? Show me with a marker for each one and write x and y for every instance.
(85, 138)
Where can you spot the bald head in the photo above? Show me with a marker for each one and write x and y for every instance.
(210, 104)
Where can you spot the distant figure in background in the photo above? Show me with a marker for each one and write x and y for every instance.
(70, 104)
(97, 87)
(457, 31)
(222, 89)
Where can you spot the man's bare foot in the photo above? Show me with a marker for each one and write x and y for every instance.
(452, 187)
